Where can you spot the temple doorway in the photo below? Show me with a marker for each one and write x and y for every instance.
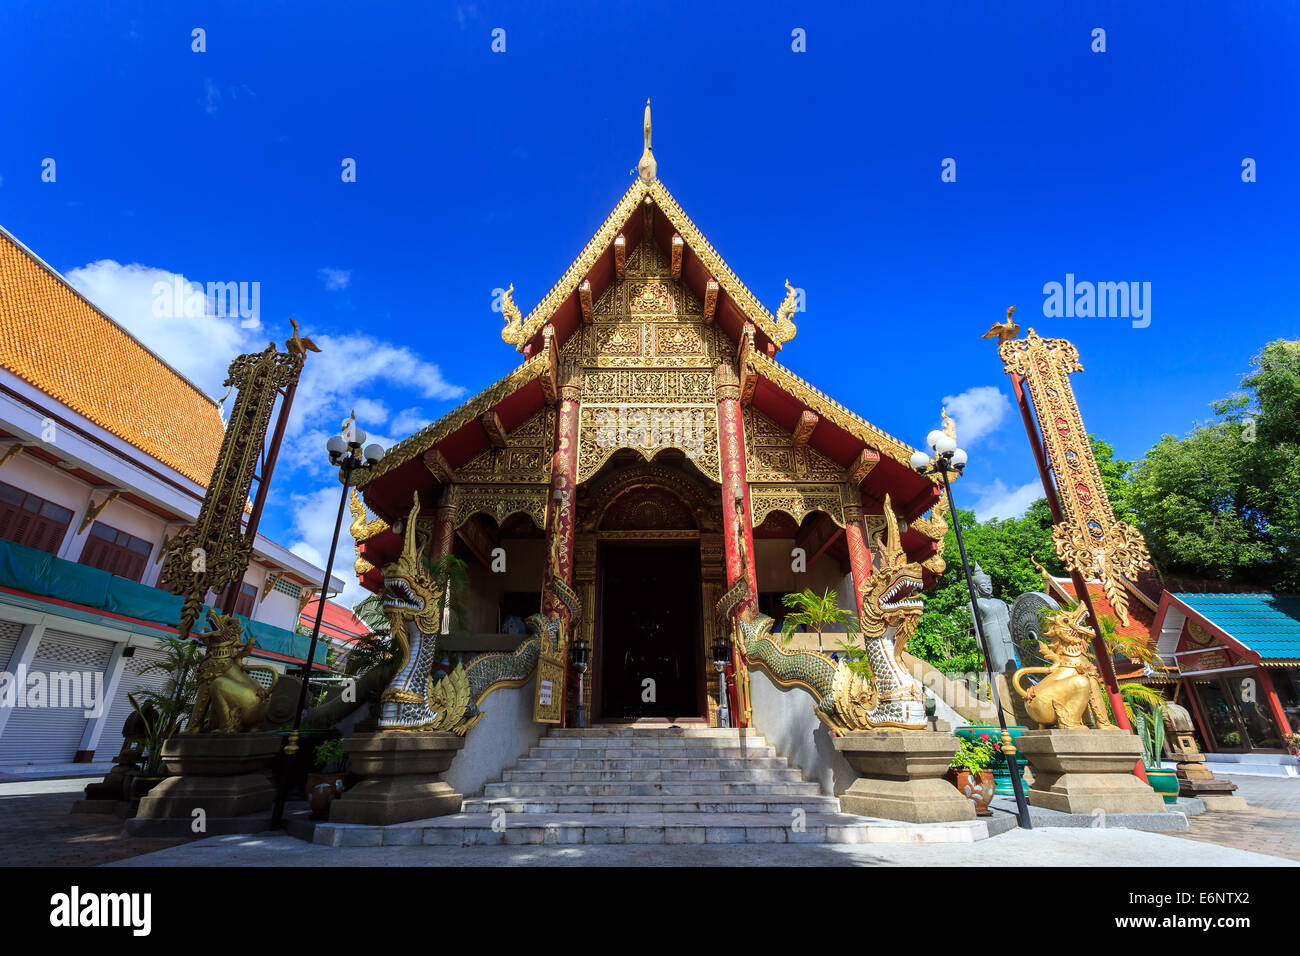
(648, 631)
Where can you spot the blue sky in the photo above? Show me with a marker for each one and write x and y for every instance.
(477, 169)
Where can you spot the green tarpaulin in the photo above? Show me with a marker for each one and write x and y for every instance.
(43, 575)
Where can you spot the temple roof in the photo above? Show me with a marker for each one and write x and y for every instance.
(596, 262)
(54, 338)
(647, 212)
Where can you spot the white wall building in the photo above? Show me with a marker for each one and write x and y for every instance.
(105, 452)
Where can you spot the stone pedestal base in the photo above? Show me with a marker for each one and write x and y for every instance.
(1080, 771)
(401, 778)
(902, 776)
(224, 775)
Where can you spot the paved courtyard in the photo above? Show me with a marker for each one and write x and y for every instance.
(1271, 825)
(37, 829)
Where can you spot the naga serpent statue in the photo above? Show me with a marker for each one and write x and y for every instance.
(413, 701)
(413, 602)
(1070, 689)
(846, 699)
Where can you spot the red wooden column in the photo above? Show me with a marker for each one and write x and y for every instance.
(731, 449)
(1274, 702)
(444, 523)
(859, 553)
(563, 500)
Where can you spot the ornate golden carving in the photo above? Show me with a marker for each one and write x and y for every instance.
(456, 419)
(775, 455)
(1091, 540)
(1071, 688)
(798, 501)
(513, 333)
(215, 552)
(785, 328)
(1003, 331)
(499, 502)
(606, 235)
(524, 457)
(361, 529)
(449, 699)
(93, 511)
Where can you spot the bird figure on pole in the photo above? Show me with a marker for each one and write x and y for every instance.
(298, 345)
(1003, 330)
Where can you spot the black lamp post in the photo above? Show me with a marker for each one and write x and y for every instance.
(721, 657)
(948, 457)
(580, 654)
(345, 452)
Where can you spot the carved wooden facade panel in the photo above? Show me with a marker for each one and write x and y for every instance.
(525, 458)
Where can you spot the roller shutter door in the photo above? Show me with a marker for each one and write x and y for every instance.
(10, 631)
(137, 675)
(53, 734)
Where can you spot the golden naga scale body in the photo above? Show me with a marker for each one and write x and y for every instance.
(1070, 689)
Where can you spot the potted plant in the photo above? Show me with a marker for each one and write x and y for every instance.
(328, 779)
(1292, 742)
(992, 735)
(1146, 712)
(163, 713)
(812, 613)
(969, 772)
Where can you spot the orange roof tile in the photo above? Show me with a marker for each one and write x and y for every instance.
(1140, 617)
(55, 339)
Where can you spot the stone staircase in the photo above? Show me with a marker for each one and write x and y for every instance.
(670, 785)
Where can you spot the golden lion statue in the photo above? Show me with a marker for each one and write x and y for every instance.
(1071, 688)
(228, 700)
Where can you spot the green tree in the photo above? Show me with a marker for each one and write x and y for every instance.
(1006, 549)
(1224, 501)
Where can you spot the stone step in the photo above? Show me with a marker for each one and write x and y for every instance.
(650, 753)
(660, 804)
(694, 788)
(756, 775)
(591, 762)
(487, 829)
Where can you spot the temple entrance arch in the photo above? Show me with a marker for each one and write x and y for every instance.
(650, 531)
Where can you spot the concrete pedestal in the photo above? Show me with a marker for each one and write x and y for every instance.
(1081, 771)
(902, 776)
(401, 778)
(224, 775)
(1196, 780)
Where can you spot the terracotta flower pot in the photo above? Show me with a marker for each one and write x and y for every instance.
(322, 788)
(976, 787)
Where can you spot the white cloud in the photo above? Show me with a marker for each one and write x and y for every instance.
(999, 501)
(408, 421)
(977, 412)
(211, 97)
(199, 347)
(314, 514)
(336, 279)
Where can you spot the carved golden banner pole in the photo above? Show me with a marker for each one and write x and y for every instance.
(214, 553)
(1089, 539)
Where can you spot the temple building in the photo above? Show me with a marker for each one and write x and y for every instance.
(650, 449)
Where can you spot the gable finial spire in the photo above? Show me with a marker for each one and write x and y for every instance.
(647, 168)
